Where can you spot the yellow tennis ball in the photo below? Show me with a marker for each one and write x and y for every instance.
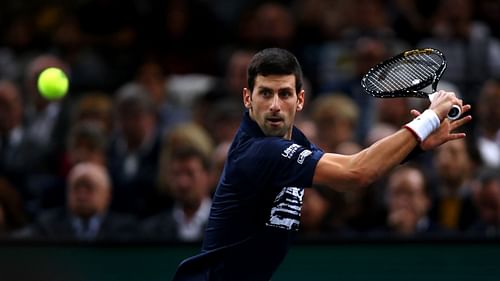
(53, 83)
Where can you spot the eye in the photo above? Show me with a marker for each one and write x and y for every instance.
(266, 93)
(285, 94)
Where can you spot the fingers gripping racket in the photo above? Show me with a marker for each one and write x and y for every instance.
(406, 75)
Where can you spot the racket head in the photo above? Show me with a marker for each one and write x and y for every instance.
(406, 74)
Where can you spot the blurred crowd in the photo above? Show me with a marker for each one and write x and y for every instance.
(136, 148)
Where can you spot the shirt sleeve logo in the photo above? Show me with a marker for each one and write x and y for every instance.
(290, 151)
(303, 155)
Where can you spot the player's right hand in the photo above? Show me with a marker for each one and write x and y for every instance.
(443, 102)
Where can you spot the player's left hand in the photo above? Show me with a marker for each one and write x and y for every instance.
(445, 132)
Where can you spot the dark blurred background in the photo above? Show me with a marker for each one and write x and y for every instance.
(126, 163)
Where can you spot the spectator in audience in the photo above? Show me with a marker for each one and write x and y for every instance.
(87, 216)
(394, 111)
(267, 24)
(223, 120)
(453, 207)
(487, 200)
(408, 203)
(366, 53)
(47, 121)
(20, 154)
(488, 126)
(321, 213)
(14, 146)
(188, 176)
(473, 53)
(185, 135)
(133, 152)
(488, 11)
(86, 143)
(151, 78)
(95, 108)
(218, 161)
(335, 117)
(225, 95)
(12, 215)
(235, 75)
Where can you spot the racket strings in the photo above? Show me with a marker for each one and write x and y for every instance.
(404, 72)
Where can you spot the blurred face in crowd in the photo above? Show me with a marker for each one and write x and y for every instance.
(95, 108)
(188, 180)
(150, 75)
(488, 201)
(453, 162)
(236, 72)
(407, 199)
(89, 190)
(274, 24)
(489, 108)
(368, 53)
(273, 104)
(136, 124)
(10, 107)
(393, 111)
(334, 130)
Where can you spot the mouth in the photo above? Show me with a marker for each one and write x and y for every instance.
(275, 121)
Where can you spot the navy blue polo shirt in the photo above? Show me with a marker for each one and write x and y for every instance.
(256, 207)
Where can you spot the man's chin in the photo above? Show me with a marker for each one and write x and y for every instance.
(275, 132)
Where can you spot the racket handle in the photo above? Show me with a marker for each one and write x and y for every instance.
(454, 112)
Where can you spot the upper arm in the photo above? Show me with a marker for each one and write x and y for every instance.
(336, 171)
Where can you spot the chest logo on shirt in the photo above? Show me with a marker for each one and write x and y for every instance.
(285, 212)
(290, 151)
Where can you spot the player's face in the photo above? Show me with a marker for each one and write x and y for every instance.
(273, 104)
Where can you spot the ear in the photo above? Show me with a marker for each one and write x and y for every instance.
(300, 100)
(247, 98)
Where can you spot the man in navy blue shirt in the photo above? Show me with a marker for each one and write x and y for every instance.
(256, 207)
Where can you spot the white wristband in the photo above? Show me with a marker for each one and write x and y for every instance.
(424, 124)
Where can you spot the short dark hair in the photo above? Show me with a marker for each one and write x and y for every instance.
(274, 61)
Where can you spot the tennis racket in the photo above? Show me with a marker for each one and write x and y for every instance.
(408, 74)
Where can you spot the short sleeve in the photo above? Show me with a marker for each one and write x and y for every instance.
(289, 164)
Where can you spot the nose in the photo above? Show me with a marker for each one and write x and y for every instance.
(275, 104)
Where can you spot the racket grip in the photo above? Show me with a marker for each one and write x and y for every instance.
(454, 112)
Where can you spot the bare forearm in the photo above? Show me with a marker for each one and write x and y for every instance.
(345, 172)
(378, 159)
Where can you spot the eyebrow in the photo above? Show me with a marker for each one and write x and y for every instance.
(279, 90)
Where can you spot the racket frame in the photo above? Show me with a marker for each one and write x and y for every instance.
(411, 91)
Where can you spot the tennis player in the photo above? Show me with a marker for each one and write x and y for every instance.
(256, 207)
